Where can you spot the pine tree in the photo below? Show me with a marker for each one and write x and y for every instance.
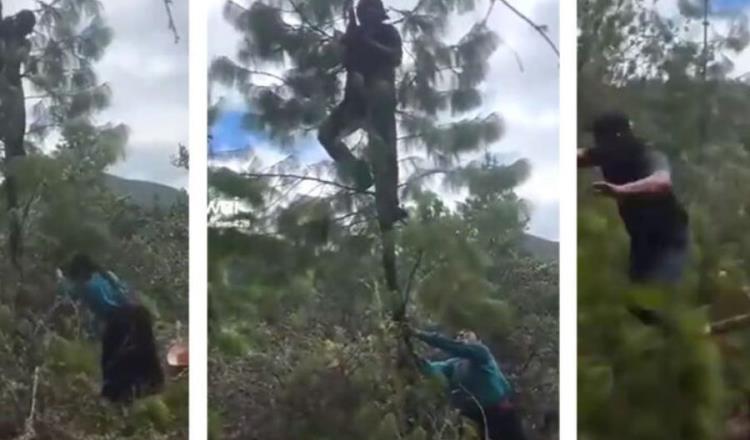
(63, 94)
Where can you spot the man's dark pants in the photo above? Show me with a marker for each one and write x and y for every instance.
(657, 263)
(377, 116)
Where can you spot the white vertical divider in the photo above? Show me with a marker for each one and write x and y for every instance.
(568, 220)
(198, 219)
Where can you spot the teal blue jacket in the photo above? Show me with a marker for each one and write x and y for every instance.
(100, 295)
(471, 372)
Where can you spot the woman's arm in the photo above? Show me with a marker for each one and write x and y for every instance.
(465, 350)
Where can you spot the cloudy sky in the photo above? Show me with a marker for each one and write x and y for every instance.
(726, 10)
(526, 98)
(148, 74)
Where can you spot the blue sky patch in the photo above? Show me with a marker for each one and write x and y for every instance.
(230, 134)
(729, 5)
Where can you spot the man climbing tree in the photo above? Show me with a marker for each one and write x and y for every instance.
(477, 386)
(129, 361)
(372, 52)
(14, 53)
(638, 178)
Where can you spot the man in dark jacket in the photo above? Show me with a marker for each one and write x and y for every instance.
(638, 179)
(372, 52)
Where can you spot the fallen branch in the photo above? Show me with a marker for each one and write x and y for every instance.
(29, 432)
(727, 325)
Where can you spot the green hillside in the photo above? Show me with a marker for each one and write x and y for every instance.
(145, 194)
(541, 248)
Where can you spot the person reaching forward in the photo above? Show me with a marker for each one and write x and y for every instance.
(638, 179)
(129, 360)
(478, 388)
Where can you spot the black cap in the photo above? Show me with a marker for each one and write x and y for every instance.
(610, 123)
(376, 3)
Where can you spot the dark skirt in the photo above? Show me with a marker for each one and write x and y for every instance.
(502, 422)
(130, 362)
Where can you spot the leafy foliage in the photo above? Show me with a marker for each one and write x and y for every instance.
(67, 207)
(636, 382)
(302, 343)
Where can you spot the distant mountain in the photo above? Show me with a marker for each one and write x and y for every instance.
(545, 250)
(145, 194)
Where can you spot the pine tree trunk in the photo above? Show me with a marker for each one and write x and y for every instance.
(13, 137)
(15, 238)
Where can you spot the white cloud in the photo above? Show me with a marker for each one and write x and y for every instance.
(148, 74)
(527, 99)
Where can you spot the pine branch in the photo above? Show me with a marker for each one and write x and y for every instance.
(56, 94)
(308, 178)
(45, 5)
(424, 175)
(526, 363)
(406, 13)
(250, 72)
(401, 313)
(351, 214)
(307, 22)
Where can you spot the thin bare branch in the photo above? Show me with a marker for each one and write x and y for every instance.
(29, 432)
(168, 4)
(424, 175)
(410, 280)
(727, 325)
(539, 28)
(309, 178)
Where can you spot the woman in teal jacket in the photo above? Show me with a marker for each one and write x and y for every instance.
(129, 361)
(477, 386)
